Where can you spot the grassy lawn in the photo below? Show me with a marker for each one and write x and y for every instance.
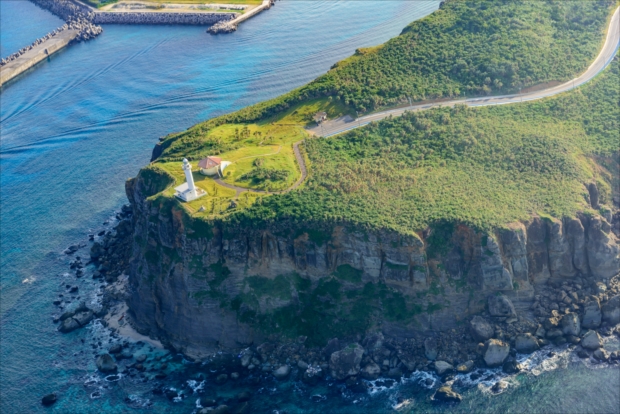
(261, 153)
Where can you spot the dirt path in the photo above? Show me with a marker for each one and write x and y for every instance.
(302, 166)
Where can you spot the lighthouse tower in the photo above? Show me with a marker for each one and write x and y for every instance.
(188, 190)
(187, 168)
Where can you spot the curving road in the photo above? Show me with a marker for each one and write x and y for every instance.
(340, 125)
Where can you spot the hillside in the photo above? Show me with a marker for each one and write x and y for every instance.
(419, 169)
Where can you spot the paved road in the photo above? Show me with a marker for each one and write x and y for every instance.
(610, 47)
(302, 167)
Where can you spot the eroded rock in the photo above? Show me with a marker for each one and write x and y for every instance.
(346, 362)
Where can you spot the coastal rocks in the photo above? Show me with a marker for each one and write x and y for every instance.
(465, 367)
(446, 394)
(511, 366)
(611, 310)
(480, 329)
(592, 313)
(500, 305)
(496, 352)
(570, 324)
(345, 363)
(526, 344)
(282, 372)
(371, 371)
(105, 363)
(75, 319)
(49, 399)
(601, 354)
(442, 367)
(430, 348)
(591, 340)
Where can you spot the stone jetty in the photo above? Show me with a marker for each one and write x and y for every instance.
(36, 54)
(78, 27)
(231, 25)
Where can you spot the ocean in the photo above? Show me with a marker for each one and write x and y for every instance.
(74, 128)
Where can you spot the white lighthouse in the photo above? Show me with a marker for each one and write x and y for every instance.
(188, 190)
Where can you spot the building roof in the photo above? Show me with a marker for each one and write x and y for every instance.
(209, 162)
(320, 116)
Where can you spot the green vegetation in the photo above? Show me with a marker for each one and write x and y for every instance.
(485, 167)
(329, 309)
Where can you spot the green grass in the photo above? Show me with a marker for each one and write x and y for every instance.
(484, 167)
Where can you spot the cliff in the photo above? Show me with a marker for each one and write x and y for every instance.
(202, 286)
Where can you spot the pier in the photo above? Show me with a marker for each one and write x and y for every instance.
(36, 55)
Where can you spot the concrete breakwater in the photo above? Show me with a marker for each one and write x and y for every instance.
(231, 26)
(36, 54)
(161, 18)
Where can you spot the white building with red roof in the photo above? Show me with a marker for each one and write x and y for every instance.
(212, 166)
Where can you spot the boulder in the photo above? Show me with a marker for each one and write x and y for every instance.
(105, 363)
(246, 357)
(611, 310)
(69, 325)
(500, 305)
(511, 366)
(480, 329)
(570, 324)
(442, 367)
(49, 399)
(371, 371)
(592, 313)
(373, 341)
(446, 394)
(465, 367)
(346, 362)
(83, 318)
(601, 354)
(526, 343)
(221, 379)
(430, 348)
(115, 349)
(496, 352)
(282, 372)
(591, 340)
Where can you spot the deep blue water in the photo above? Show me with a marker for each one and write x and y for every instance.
(77, 126)
(22, 23)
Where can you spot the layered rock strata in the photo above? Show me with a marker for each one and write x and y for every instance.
(204, 286)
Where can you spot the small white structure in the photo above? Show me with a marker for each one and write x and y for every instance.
(320, 117)
(188, 190)
(212, 166)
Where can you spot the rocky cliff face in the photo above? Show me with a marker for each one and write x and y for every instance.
(201, 287)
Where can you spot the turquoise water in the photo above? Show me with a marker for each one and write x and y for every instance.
(78, 125)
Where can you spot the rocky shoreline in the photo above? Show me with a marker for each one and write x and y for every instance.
(578, 314)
